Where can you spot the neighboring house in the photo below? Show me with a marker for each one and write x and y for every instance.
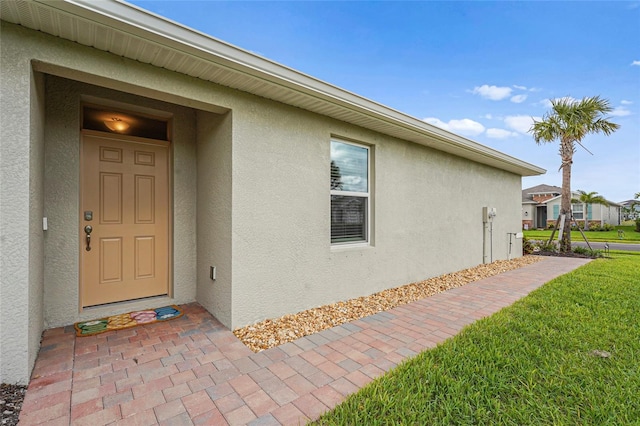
(535, 212)
(541, 208)
(630, 209)
(184, 153)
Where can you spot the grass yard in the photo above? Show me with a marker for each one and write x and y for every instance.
(630, 236)
(569, 353)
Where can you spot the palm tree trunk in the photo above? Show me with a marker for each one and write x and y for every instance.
(565, 206)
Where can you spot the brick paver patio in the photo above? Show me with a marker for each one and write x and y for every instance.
(193, 370)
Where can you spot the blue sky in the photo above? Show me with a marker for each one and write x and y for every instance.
(479, 69)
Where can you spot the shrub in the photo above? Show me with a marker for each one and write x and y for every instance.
(547, 246)
(527, 246)
(591, 253)
(551, 226)
(638, 224)
(607, 227)
(595, 227)
(580, 250)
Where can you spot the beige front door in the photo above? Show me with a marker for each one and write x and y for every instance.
(125, 201)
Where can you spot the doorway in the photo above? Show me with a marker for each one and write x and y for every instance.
(124, 218)
(541, 217)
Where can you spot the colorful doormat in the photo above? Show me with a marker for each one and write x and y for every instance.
(132, 319)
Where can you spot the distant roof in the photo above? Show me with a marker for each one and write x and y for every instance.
(528, 193)
(542, 189)
(131, 32)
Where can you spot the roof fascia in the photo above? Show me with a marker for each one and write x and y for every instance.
(145, 25)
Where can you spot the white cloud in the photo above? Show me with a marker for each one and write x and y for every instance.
(625, 102)
(493, 93)
(635, 63)
(465, 126)
(547, 102)
(436, 122)
(620, 112)
(487, 116)
(500, 133)
(520, 123)
(525, 88)
(518, 99)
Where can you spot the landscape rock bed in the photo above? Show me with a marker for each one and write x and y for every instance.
(274, 332)
(11, 398)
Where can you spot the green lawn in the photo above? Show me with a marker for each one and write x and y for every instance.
(536, 362)
(630, 236)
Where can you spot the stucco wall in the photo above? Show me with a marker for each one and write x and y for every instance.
(214, 213)
(529, 215)
(611, 215)
(36, 213)
(21, 167)
(427, 214)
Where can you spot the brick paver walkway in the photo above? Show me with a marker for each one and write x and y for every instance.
(193, 370)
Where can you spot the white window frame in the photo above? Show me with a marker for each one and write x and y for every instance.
(580, 212)
(367, 195)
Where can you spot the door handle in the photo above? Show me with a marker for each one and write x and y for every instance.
(87, 230)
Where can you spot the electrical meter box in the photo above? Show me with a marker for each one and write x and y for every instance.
(488, 213)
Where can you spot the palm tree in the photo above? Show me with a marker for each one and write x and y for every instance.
(587, 198)
(569, 121)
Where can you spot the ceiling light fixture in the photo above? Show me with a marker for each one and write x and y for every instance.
(116, 125)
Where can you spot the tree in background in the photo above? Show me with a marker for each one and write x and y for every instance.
(637, 197)
(336, 176)
(569, 122)
(587, 198)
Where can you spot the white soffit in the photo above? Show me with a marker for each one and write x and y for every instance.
(128, 31)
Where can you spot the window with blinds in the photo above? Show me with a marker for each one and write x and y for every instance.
(349, 193)
(578, 211)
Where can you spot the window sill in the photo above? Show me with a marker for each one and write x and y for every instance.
(350, 246)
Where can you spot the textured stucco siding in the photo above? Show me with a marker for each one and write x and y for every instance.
(426, 212)
(529, 212)
(36, 213)
(610, 214)
(529, 216)
(21, 167)
(214, 213)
